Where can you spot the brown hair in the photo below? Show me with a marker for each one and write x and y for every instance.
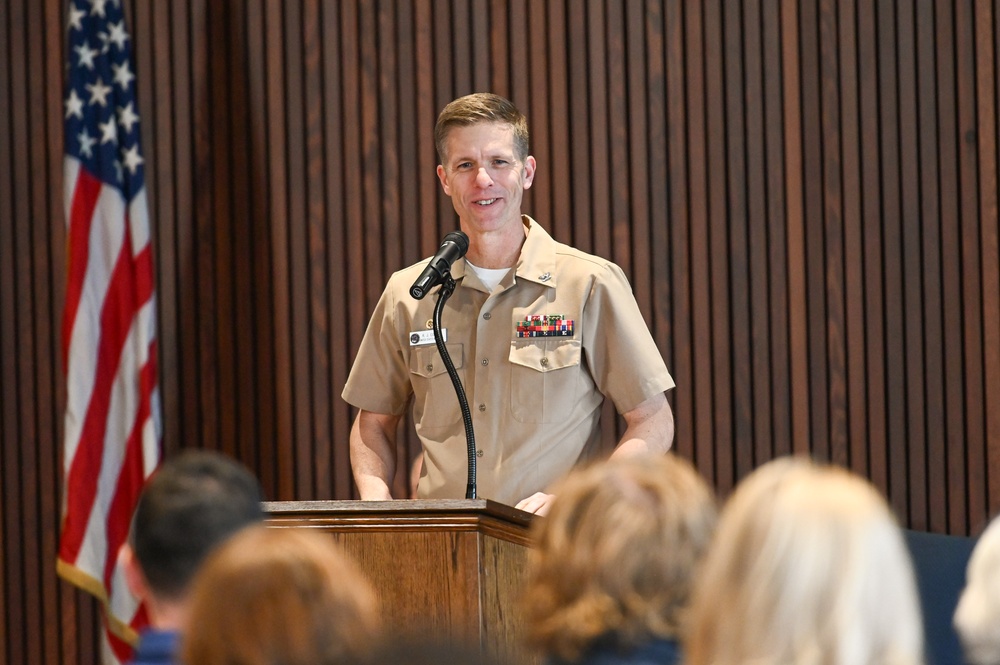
(616, 554)
(476, 108)
(279, 597)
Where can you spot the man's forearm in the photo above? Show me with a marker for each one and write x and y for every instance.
(373, 455)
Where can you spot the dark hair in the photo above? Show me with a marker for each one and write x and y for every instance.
(481, 107)
(191, 504)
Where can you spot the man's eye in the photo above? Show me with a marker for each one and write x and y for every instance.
(500, 162)
(464, 166)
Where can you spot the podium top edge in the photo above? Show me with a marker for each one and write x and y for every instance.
(405, 506)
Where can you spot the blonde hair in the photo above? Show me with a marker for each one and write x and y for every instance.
(616, 554)
(478, 108)
(279, 597)
(808, 567)
(977, 617)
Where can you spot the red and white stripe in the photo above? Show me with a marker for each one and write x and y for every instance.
(112, 421)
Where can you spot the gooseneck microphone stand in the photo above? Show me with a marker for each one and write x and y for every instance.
(447, 288)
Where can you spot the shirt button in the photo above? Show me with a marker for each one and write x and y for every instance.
(487, 316)
(545, 362)
(430, 368)
(485, 362)
(479, 453)
(482, 407)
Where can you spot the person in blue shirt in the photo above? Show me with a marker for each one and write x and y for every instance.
(192, 504)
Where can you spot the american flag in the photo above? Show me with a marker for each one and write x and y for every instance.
(112, 424)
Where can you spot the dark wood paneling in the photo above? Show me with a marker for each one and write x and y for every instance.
(803, 193)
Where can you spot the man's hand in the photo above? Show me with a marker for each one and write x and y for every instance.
(538, 503)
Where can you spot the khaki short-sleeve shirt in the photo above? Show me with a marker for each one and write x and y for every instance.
(536, 356)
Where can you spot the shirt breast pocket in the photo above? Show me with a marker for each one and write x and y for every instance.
(435, 402)
(545, 375)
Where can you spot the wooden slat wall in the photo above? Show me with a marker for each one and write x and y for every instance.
(804, 194)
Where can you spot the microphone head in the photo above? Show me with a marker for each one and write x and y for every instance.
(460, 239)
(453, 247)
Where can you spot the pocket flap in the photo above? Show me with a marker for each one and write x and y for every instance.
(427, 362)
(545, 355)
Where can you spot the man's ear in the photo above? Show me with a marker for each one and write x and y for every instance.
(529, 171)
(134, 576)
(443, 177)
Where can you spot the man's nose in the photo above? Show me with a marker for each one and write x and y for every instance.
(483, 178)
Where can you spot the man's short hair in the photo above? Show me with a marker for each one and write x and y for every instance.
(191, 504)
(476, 108)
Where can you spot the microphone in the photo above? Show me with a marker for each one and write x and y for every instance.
(453, 247)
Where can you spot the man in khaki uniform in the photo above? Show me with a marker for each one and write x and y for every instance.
(540, 333)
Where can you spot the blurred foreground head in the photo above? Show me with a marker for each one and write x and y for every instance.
(194, 502)
(615, 556)
(274, 596)
(977, 617)
(808, 567)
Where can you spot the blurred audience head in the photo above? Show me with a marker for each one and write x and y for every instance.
(274, 596)
(614, 558)
(429, 648)
(977, 617)
(808, 566)
(194, 502)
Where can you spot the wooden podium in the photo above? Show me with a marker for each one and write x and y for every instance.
(448, 567)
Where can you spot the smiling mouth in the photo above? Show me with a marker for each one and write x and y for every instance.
(485, 202)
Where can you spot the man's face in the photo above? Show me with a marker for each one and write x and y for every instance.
(484, 177)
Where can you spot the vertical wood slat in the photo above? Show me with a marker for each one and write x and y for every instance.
(814, 231)
(975, 435)
(718, 244)
(988, 91)
(278, 188)
(736, 235)
(779, 368)
(319, 450)
(334, 190)
(831, 124)
(18, 365)
(954, 419)
(853, 244)
(759, 403)
(559, 110)
(243, 240)
(912, 267)
(803, 194)
(48, 237)
(871, 207)
(37, 409)
(264, 423)
(223, 217)
(8, 342)
(930, 203)
(637, 146)
(704, 423)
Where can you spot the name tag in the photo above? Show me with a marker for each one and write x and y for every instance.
(425, 337)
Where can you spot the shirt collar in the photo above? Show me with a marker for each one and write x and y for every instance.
(536, 263)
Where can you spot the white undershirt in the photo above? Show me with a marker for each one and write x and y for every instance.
(488, 276)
